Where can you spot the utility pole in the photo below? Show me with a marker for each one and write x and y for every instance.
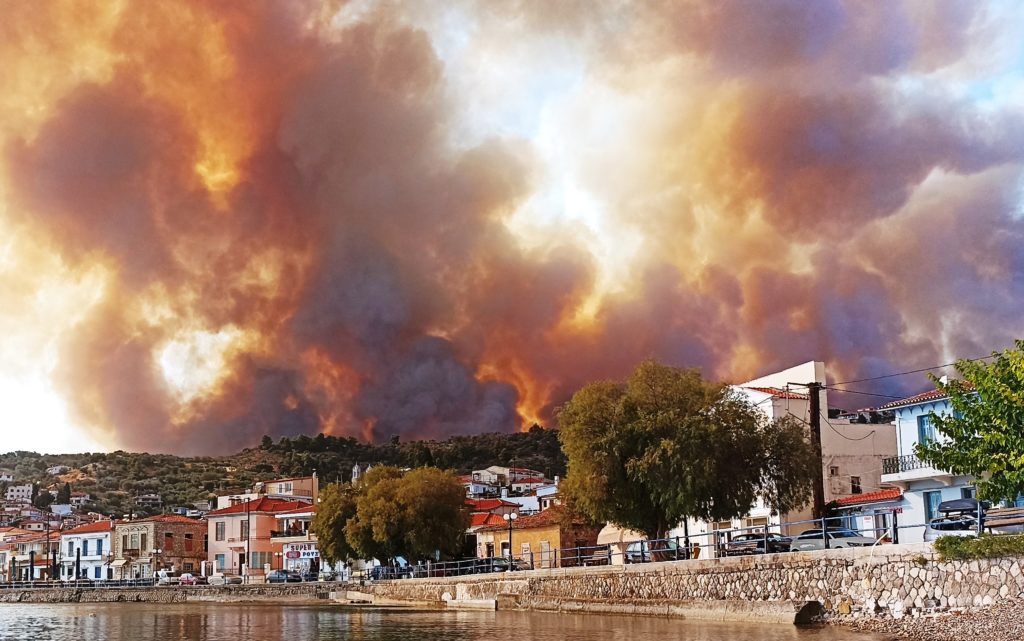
(814, 390)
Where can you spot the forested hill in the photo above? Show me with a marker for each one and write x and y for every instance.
(114, 479)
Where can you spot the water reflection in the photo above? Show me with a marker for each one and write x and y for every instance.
(233, 622)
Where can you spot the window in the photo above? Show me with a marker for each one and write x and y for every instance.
(96, 572)
(144, 548)
(134, 542)
(833, 470)
(188, 542)
(85, 547)
(925, 429)
(259, 559)
(124, 543)
(245, 529)
(219, 533)
(931, 504)
(71, 548)
(855, 485)
(189, 567)
(99, 547)
(968, 492)
(219, 560)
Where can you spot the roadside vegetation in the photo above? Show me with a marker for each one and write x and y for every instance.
(987, 546)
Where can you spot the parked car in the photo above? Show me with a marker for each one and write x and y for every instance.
(958, 517)
(837, 538)
(500, 564)
(755, 544)
(284, 576)
(167, 577)
(223, 579)
(647, 551)
(192, 579)
(309, 576)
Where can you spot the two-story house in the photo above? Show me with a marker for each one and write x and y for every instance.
(924, 486)
(165, 541)
(87, 547)
(241, 535)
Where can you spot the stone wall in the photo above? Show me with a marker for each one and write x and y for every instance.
(171, 594)
(889, 580)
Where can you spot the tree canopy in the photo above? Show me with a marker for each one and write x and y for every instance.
(392, 513)
(985, 431)
(666, 445)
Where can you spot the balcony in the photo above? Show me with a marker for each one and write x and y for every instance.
(900, 470)
(899, 464)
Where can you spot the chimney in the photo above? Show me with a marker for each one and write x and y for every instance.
(556, 481)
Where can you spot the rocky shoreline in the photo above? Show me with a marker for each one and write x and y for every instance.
(1002, 621)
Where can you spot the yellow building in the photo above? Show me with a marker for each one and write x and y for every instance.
(545, 540)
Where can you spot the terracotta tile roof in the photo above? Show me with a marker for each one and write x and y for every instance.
(546, 518)
(533, 479)
(780, 393)
(305, 509)
(887, 494)
(262, 504)
(89, 528)
(486, 505)
(923, 397)
(166, 518)
(481, 519)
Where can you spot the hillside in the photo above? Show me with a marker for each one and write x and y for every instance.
(114, 479)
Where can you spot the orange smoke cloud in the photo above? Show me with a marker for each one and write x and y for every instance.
(369, 219)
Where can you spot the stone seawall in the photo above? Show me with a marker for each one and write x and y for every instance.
(893, 580)
(172, 594)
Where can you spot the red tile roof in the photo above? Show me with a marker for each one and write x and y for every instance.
(887, 494)
(780, 393)
(89, 528)
(923, 397)
(262, 504)
(546, 518)
(305, 509)
(486, 505)
(533, 479)
(479, 519)
(167, 518)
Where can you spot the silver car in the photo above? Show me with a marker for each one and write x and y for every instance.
(837, 538)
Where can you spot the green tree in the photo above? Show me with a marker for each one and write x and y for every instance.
(413, 514)
(64, 495)
(337, 505)
(985, 431)
(667, 444)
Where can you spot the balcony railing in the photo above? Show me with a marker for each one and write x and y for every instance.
(899, 464)
(283, 534)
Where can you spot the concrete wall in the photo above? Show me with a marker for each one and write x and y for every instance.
(892, 580)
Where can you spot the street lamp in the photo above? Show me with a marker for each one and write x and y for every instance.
(156, 560)
(510, 517)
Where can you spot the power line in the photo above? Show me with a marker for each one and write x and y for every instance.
(829, 423)
(915, 371)
(853, 391)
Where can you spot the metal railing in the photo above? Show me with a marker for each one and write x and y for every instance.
(906, 463)
(816, 534)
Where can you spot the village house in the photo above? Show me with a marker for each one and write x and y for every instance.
(299, 550)
(304, 488)
(241, 535)
(543, 540)
(35, 555)
(6, 476)
(143, 546)
(852, 455)
(19, 493)
(924, 487)
(89, 548)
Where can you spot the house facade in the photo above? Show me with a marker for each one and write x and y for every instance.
(852, 454)
(242, 539)
(89, 548)
(165, 541)
(923, 486)
(540, 539)
(19, 493)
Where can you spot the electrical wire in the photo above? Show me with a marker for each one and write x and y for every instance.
(854, 391)
(915, 371)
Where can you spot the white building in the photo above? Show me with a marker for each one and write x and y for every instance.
(852, 453)
(19, 493)
(90, 545)
(924, 487)
(6, 476)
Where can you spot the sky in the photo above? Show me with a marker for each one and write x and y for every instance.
(371, 218)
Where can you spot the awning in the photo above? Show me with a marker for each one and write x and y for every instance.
(118, 563)
(613, 534)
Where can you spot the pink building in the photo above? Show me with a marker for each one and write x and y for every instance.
(242, 536)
